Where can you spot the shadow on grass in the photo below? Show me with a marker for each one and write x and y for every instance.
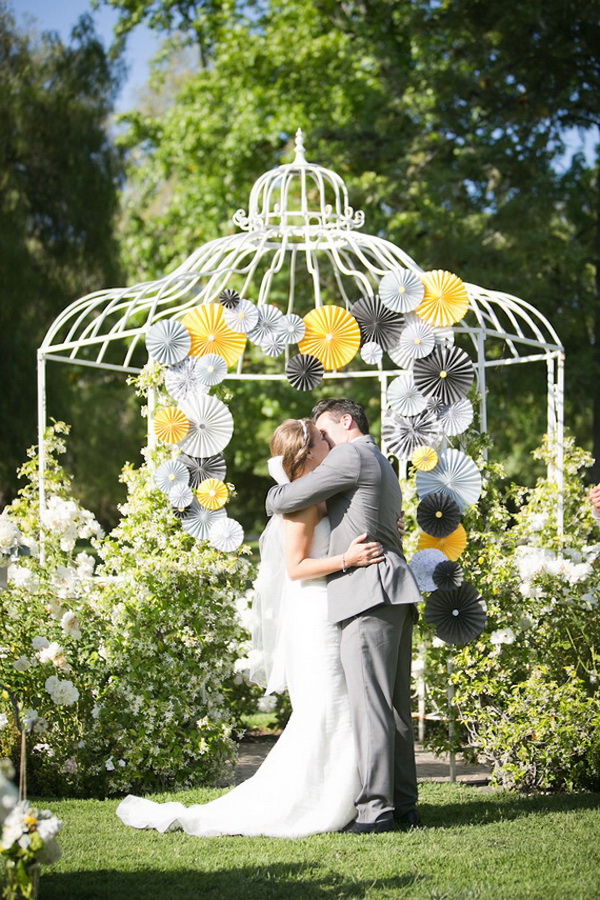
(485, 809)
(294, 882)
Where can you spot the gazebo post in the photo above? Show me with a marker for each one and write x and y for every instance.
(41, 385)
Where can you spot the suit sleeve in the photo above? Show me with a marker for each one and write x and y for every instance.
(338, 472)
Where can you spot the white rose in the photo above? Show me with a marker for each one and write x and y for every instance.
(50, 653)
(22, 664)
(65, 694)
(51, 684)
(70, 625)
(502, 636)
(3, 720)
(39, 642)
(29, 718)
(109, 764)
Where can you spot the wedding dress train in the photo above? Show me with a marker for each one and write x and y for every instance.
(308, 782)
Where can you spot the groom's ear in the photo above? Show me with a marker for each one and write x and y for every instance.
(347, 421)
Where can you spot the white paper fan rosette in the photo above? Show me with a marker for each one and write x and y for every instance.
(171, 473)
(226, 534)
(273, 345)
(184, 378)
(212, 369)
(402, 434)
(241, 318)
(456, 418)
(211, 425)
(423, 565)
(269, 322)
(456, 475)
(401, 290)
(198, 521)
(372, 353)
(291, 328)
(417, 340)
(404, 396)
(181, 496)
(168, 342)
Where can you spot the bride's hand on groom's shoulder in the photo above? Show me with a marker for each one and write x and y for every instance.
(361, 552)
(401, 524)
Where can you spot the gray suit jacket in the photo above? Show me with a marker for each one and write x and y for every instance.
(363, 495)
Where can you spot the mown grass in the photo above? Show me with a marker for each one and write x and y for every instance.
(476, 844)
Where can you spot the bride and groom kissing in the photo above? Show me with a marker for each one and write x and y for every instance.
(335, 613)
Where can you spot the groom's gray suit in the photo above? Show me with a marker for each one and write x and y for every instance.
(374, 607)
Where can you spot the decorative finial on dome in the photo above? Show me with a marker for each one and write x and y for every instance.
(300, 157)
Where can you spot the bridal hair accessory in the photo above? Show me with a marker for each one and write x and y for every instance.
(304, 429)
(276, 470)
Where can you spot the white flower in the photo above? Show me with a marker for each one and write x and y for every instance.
(29, 718)
(96, 712)
(23, 577)
(3, 720)
(50, 653)
(41, 725)
(121, 763)
(537, 521)
(438, 643)
(70, 766)
(589, 600)
(525, 623)
(65, 694)
(502, 636)
(85, 565)
(39, 642)
(51, 684)
(22, 664)
(267, 704)
(9, 534)
(109, 764)
(70, 625)
(54, 608)
(9, 796)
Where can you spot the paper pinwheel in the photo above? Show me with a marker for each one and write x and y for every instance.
(270, 320)
(456, 418)
(456, 475)
(332, 335)
(211, 334)
(226, 535)
(211, 369)
(423, 564)
(273, 345)
(402, 435)
(171, 425)
(401, 290)
(229, 298)
(291, 328)
(403, 396)
(438, 515)
(170, 473)
(198, 520)
(212, 493)
(452, 546)
(242, 317)
(424, 458)
(448, 575)
(180, 497)
(417, 340)
(185, 378)
(199, 469)
(446, 374)
(372, 353)
(377, 322)
(304, 372)
(168, 342)
(445, 301)
(459, 616)
(211, 425)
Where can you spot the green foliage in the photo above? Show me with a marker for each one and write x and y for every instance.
(534, 670)
(147, 645)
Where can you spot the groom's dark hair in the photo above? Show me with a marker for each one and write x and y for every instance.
(342, 407)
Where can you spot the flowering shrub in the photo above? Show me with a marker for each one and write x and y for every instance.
(122, 668)
(526, 690)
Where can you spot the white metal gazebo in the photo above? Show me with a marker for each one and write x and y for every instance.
(300, 244)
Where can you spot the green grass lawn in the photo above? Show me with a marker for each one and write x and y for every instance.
(476, 844)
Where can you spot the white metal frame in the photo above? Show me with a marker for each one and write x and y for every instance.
(301, 228)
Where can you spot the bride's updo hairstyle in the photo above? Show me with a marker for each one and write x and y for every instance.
(292, 440)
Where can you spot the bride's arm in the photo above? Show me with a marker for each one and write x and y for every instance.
(299, 529)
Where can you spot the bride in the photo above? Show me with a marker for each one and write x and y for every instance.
(308, 782)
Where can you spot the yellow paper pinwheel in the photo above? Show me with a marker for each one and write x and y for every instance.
(212, 493)
(424, 458)
(210, 333)
(452, 545)
(332, 335)
(446, 299)
(171, 425)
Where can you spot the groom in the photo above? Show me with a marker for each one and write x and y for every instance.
(374, 607)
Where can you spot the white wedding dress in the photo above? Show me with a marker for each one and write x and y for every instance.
(308, 782)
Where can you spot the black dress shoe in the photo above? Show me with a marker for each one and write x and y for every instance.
(408, 820)
(369, 827)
